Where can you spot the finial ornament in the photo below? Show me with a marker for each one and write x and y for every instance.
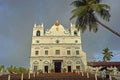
(57, 23)
(34, 25)
(42, 24)
(71, 24)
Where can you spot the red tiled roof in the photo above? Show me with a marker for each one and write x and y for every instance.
(103, 63)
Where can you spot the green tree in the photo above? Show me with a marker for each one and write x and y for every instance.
(86, 12)
(23, 70)
(1, 67)
(13, 69)
(107, 55)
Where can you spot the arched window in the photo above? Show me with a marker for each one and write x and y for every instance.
(75, 33)
(35, 66)
(38, 33)
(36, 52)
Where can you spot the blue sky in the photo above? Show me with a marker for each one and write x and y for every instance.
(17, 18)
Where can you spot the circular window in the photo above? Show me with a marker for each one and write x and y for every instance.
(57, 41)
(76, 41)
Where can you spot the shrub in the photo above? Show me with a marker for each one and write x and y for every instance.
(74, 71)
(52, 70)
(40, 71)
(64, 69)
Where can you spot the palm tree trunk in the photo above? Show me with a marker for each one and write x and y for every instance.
(114, 32)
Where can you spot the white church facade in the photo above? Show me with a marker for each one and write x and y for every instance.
(57, 49)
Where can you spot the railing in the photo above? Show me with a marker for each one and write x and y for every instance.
(53, 76)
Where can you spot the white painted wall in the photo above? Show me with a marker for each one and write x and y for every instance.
(47, 41)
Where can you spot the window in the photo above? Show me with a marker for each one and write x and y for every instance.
(35, 68)
(77, 52)
(46, 52)
(38, 33)
(57, 52)
(75, 33)
(36, 52)
(68, 52)
(37, 41)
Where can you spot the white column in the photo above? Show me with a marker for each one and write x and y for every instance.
(29, 75)
(110, 78)
(95, 76)
(82, 73)
(22, 76)
(33, 74)
(8, 77)
(87, 75)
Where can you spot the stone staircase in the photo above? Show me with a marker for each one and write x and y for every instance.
(51, 76)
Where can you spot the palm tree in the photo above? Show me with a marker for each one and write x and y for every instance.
(107, 55)
(86, 12)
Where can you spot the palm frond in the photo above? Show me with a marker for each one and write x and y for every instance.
(91, 6)
(98, 1)
(78, 3)
(78, 11)
(99, 7)
(92, 23)
(81, 23)
(93, 1)
(105, 14)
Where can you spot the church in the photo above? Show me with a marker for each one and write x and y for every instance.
(56, 49)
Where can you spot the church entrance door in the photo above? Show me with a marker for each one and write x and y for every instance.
(57, 66)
